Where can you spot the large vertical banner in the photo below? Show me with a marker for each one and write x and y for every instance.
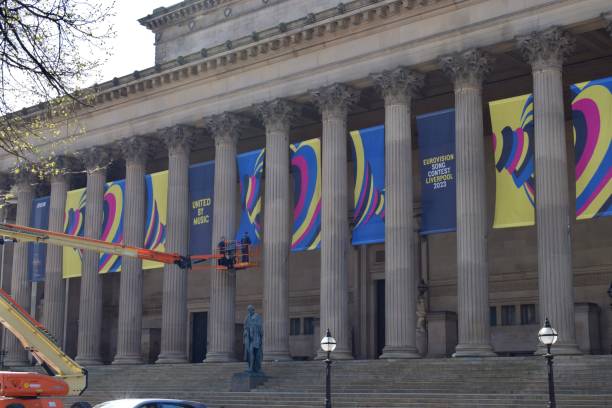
(437, 164)
(112, 225)
(155, 224)
(250, 174)
(74, 221)
(368, 147)
(37, 253)
(201, 193)
(592, 120)
(306, 170)
(513, 143)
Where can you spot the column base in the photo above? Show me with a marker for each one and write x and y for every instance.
(559, 350)
(335, 355)
(128, 359)
(395, 352)
(277, 356)
(88, 361)
(171, 358)
(474, 350)
(219, 357)
(17, 363)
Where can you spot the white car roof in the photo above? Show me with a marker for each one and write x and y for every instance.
(132, 402)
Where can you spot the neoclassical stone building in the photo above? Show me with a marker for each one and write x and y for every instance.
(230, 76)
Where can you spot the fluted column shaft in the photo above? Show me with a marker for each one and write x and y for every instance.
(90, 303)
(545, 51)
(333, 102)
(55, 295)
(467, 70)
(21, 287)
(276, 116)
(174, 300)
(221, 320)
(397, 87)
(130, 292)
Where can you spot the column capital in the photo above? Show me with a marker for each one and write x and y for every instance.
(546, 49)
(95, 158)
(335, 99)
(608, 22)
(6, 181)
(466, 68)
(135, 149)
(23, 177)
(61, 166)
(226, 127)
(178, 137)
(398, 85)
(277, 114)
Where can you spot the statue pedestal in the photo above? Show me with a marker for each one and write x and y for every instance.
(246, 381)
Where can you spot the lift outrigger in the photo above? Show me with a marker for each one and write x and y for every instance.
(66, 377)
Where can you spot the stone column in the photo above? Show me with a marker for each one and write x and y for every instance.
(334, 102)
(21, 287)
(96, 160)
(179, 140)
(545, 52)
(135, 151)
(277, 116)
(466, 70)
(397, 87)
(225, 130)
(55, 293)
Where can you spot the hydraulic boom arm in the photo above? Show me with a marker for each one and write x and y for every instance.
(37, 340)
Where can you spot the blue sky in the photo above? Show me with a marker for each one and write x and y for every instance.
(132, 48)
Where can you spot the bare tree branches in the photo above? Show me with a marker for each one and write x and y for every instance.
(47, 47)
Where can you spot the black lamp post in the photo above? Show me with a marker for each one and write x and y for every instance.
(548, 336)
(328, 344)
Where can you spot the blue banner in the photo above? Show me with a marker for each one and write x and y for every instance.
(306, 172)
(368, 146)
(250, 172)
(201, 191)
(437, 164)
(37, 254)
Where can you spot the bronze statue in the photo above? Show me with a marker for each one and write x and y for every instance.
(253, 340)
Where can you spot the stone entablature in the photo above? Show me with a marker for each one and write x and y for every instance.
(346, 48)
(304, 32)
(207, 24)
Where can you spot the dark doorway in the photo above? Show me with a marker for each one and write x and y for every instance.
(380, 316)
(199, 324)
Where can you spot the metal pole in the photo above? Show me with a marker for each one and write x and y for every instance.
(328, 382)
(551, 381)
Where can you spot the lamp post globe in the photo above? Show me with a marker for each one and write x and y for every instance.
(328, 344)
(549, 336)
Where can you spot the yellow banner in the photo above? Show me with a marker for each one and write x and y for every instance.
(112, 231)
(157, 206)
(74, 220)
(513, 142)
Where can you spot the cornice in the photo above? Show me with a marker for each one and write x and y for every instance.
(171, 15)
(337, 22)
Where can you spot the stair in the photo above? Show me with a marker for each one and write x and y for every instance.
(584, 381)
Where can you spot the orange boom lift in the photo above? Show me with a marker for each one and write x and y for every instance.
(66, 377)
